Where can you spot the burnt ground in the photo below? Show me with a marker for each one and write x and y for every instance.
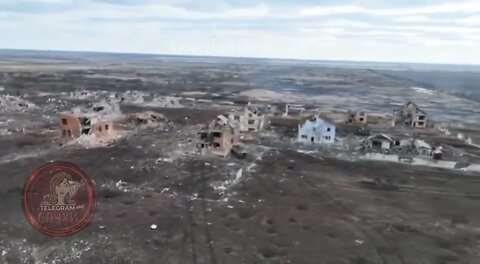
(275, 206)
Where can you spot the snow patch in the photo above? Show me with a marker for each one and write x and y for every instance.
(422, 90)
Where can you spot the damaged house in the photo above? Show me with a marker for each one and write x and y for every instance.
(380, 143)
(251, 119)
(389, 145)
(316, 130)
(410, 115)
(219, 137)
(356, 117)
(98, 122)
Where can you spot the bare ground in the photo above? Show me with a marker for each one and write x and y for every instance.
(287, 207)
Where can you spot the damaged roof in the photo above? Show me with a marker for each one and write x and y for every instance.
(223, 121)
(417, 109)
(382, 135)
(313, 118)
(99, 111)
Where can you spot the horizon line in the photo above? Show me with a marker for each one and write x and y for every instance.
(239, 57)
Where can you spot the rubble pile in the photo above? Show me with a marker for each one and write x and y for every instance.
(132, 97)
(86, 94)
(9, 103)
(128, 97)
(107, 108)
(102, 108)
(147, 118)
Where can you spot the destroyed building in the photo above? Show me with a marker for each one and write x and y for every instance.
(356, 117)
(233, 125)
(97, 121)
(219, 137)
(293, 109)
(410, 115)
(316, 130)
(380, 142)
(251, 119)
(394, 145)
(147, 118)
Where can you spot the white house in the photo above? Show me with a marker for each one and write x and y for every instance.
(316, 130)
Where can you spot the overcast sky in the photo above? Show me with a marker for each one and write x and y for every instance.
(431, 31)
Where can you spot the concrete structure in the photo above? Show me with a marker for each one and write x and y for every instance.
(249, 120)
(356, 117)
(232, 125)
(410, 115)
(316, 130)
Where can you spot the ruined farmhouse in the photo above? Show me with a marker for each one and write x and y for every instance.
(410, 115)
(219, 137)
(316, 130)
(97, 121)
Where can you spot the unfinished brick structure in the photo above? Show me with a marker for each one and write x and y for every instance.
(218, 138)
(97, 122)
(356, 117)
